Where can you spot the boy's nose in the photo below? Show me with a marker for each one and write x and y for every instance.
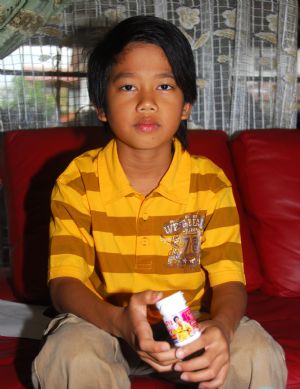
(146, 103)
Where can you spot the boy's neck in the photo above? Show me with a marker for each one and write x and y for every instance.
(145, 168)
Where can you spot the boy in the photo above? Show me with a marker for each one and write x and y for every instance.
(128, 223)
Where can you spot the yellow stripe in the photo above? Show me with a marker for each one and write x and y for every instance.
(222, 234)
(229, 273)
(69, 266)
(136, 282)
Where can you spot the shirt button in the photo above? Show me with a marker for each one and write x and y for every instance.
(144, 241)
(145, 216)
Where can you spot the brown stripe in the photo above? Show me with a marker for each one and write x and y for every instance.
(222, 217)
(146, 264)
(73, 246)
(91, 181)
(86, 182)
(77, 185)
(128, 226)
(227, 251)
(202, 182)
(66, 212)
(116, 263)
(118, 226)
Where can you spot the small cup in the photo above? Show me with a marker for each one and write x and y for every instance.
(178, 318)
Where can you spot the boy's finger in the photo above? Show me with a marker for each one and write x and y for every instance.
(194, 364)
(207, 378)
(152, 346)
(197, 347)
(163, 358)
(147, 297)
(156, 366)
(166, 357)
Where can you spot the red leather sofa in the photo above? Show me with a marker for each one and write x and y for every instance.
(264, 166)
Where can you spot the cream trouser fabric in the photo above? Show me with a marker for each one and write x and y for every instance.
(78, 355)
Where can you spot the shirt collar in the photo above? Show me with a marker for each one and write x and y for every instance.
(175, 184)
(114, 183)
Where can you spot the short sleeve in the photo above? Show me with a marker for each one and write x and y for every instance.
(71, 242)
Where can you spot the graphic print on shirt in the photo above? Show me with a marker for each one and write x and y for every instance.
(184, 235)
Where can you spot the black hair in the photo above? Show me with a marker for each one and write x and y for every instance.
(146, 29)
(175, 317)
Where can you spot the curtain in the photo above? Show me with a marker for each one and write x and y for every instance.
(20, 19)
(245, 53)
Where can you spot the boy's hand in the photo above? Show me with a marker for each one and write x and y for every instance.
(210, 368)
(137, 331)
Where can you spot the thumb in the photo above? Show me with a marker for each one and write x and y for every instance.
(147, 297)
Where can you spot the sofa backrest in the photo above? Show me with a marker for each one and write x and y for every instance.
(267, 166)
(31, 161)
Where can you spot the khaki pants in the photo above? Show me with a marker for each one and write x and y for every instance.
(78, 355)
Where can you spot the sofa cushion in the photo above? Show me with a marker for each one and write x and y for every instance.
(16, 356)
(214, 145)
(268, 172)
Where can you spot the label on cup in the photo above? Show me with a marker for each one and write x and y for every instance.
(182, 327)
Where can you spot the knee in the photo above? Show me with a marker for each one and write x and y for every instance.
(256, 343)
(70, 358)
(256, 358)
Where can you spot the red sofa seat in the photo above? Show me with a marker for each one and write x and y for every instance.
(30, 162)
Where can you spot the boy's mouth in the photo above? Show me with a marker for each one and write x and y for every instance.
(146, 125)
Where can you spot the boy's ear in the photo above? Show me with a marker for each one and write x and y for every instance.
(186, 111)
(101, 115)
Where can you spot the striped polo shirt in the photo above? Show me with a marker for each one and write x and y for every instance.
(119, 242)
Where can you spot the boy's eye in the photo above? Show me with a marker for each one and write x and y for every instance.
(127, 88)
(165, 87)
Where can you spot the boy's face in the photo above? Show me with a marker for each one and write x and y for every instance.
(144, 103)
